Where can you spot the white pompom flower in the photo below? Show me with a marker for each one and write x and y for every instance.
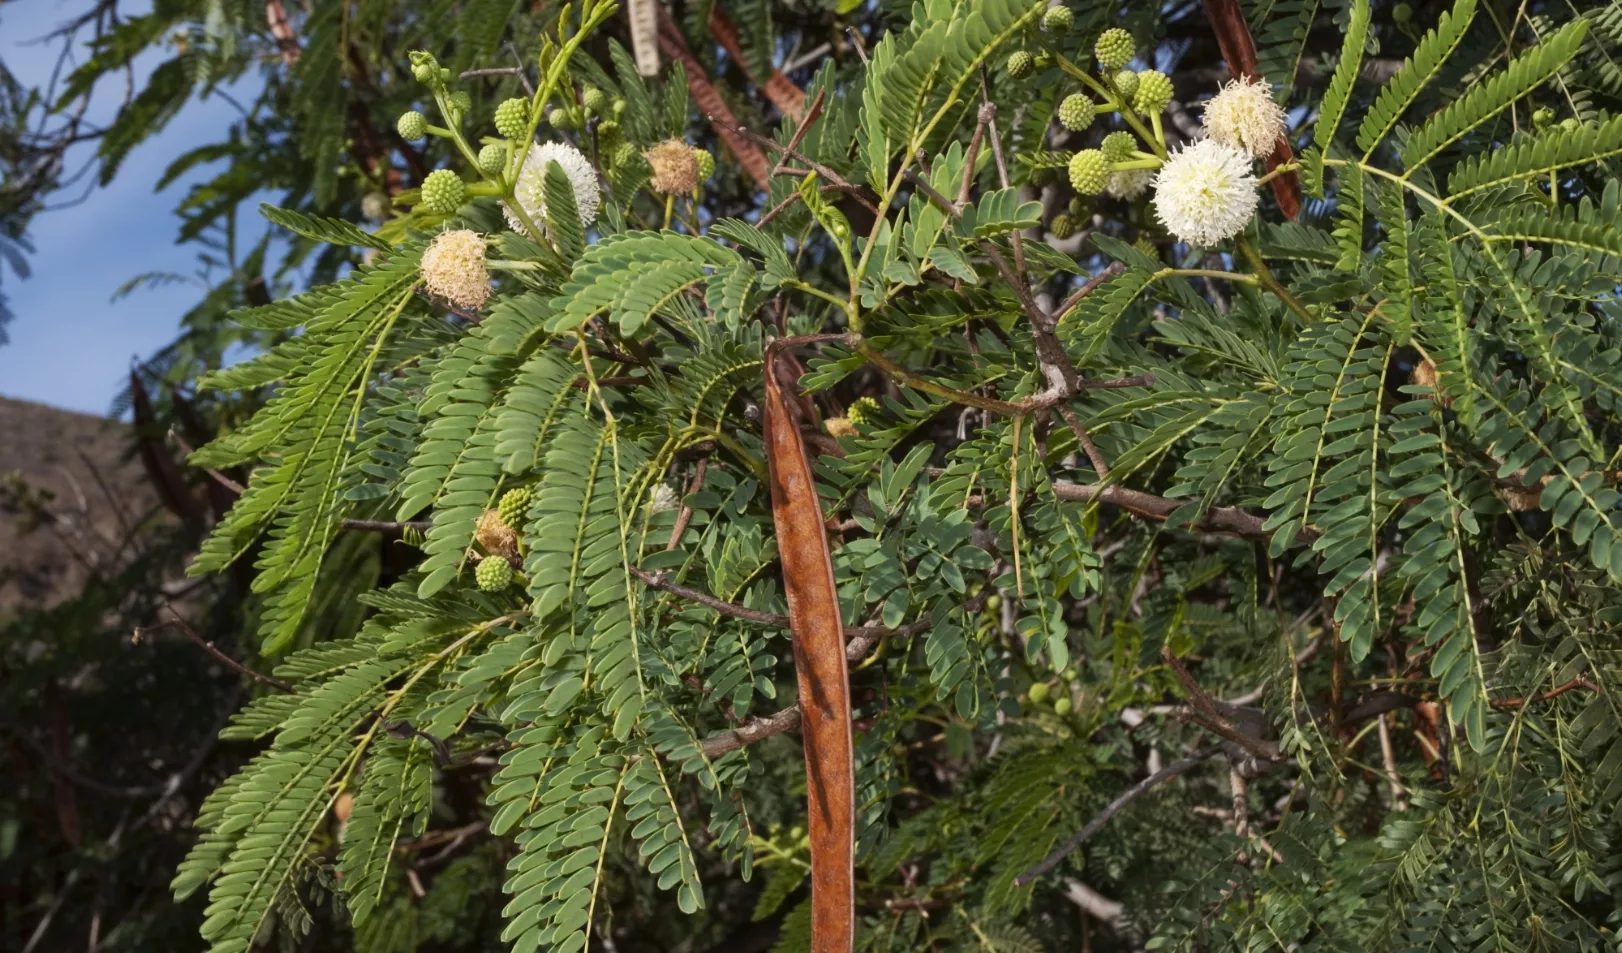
(530, 188)
(1243, 115)
(453, 269)
(1205, 193)
(1129, 183)
(664, 499)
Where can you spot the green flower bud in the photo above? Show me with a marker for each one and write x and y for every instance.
(1542, 116)
(1126, 83)
(1021, 65)
(1061, 226)
(619, 108)
(1058, 19)
(426, 73)
(512, 118)
(493, 158)
(461, 102)
(514, 504)
(1062, 707)
(443, 192)
(1077, 112)
(1154, 92)
(494, 573)
(1114, 49)
(1118, 146)
(706, 164)
(594, 99)
(863, 410)
(559, 118)
(412, 126)
(1039, 692)
(1402, 13)
(1089, 171)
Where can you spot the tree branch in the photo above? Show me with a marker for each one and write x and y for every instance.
(209, 647)
(1110, 810)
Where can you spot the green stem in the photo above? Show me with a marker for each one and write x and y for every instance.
(1265, 276)
(1127, 112)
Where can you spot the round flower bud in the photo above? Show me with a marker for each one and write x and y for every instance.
(461, 102)
(1089, 171)
(1126, 83)
(453, 268)
(494, 573)
(675, 167)
(1020, 65)
(706, 164)
(1039, 692)
(1205, 193)
(1570, 124)
(1114, 49)
(1077, 111)
(426, 72)
(1244, 115)
(443, 192)
(512, 118)
(1542, 116)
(375, 206)
(493, 158)
(1154, 92)
(608, 134)
(514, 504)
(1058, 19)
(1118, 146)
(862, 411)
(619, 108)
(559, 118)
(1061, 226)
(412, 126)
(530, 186)
(1402, 13)
(1063, 707)
(594, 99)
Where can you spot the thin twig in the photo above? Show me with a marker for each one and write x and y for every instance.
(1094, 455)
(209, 647)
(1581, 681)
(1110, 810)
(387, 526)
(219, 477)
(735, 611)
(1203, 711)
(686, 514)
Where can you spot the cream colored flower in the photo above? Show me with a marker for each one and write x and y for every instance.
(453, 269)
(1128, 184)
(675, 167)
(664, 499)
(530, 188)
(1205, 193)
(1243, 115)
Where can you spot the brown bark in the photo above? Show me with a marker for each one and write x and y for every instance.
(819, 662)
(282, 31)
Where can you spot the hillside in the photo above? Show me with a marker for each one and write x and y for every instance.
(69, 492)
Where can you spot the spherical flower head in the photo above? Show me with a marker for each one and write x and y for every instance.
(1126, 83)
(1058, 19)
(1114, 49)
(706, 164)
(375, 206)
(494, 573)
(461, 102)
(514, 504)
(1129, 183)
(512, 118)
(1244, 115)
(412, 126)
(594, 99)
(1205, 193)
(443, 192)
(560, 118)
(493, 158)
(453, 269)
(1153, 94)
(1061, 226)
(863, 410)
(1077, 112)
(675, 167)
(1021, 64)
(664, 499)
(1118, 146)
(530, 187)
(1089, 171)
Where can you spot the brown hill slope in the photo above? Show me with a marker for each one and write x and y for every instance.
(96, 491)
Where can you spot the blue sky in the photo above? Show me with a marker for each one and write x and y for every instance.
(71, 345)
